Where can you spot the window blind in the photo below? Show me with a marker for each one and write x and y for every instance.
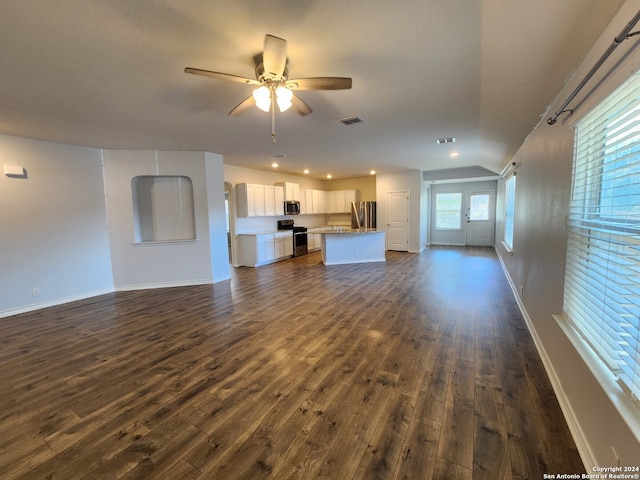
(509, 209)
(602, 283)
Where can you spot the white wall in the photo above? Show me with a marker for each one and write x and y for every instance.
(170, 263)
(235, 175)
(410, 181)
(53, 225)
(537, 265)
(366, 186)
(217, 218)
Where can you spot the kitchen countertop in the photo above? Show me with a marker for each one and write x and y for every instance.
(267, 232)
(342, 231)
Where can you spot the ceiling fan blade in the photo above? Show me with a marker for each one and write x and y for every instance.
(320, 83)
(243, 106)
(274, 56)
(222, 76)
(300, 107)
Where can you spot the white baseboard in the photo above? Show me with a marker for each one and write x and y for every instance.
(581, 441)
(52, 303)
(439, 244)
(148, 286)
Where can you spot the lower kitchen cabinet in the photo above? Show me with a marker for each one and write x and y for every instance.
(259, 249)
(314, 241)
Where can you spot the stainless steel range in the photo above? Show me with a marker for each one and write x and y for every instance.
(299, 236)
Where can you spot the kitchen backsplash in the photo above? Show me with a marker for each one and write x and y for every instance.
(266, 224)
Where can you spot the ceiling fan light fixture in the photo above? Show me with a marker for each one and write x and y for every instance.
(284, 98)
(262, 96)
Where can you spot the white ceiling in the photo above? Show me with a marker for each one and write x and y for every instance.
(110, 73)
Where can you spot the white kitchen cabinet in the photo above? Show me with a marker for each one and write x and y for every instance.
(331, 202)
(283, 244)
(319, 201)
(250, 200)
(314, 241)
(288, 247)
(279, 247)
(259, 249)
(266, 248)
(339, 201)
(254, 200)
(269, 200)
(350, 197)
(291, 190)
(308, 202)
(279, 198)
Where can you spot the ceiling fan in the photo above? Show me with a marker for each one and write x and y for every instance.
(273, 84)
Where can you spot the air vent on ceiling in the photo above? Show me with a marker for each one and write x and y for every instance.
(350, 120)
(446, 140)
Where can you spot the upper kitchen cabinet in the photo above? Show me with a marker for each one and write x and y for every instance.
(339, 201)
(291, 190)
(312, 201)
(259, 200)
(279, 199)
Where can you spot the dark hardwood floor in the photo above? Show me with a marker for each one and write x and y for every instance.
(417, 368)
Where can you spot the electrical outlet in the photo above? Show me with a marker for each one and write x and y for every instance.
(36, 292)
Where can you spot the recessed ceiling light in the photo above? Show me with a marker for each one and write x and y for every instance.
(328, 175)
(454, 154)
(372, 172)
(306, 171)
(446, 140)
(274, 164)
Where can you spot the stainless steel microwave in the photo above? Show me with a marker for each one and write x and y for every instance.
(291, 207)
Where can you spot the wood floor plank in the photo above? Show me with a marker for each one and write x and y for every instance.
(491, 459)
(385, 446)
(418, 456)
(417, 367)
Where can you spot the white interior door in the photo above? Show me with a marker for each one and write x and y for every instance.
(480, 218)
(398, 221)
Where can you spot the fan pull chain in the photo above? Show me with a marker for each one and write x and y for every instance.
(273, 115)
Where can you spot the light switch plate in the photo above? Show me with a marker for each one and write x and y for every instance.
(14, 171)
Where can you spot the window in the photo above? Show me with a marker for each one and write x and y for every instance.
(602, 284)
(479, 206)
(448, 210)
(509, 210)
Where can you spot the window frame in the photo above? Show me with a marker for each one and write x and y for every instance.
(510, 186)
(458, 211)
(600, 312)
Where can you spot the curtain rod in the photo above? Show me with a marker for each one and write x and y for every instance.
(624, 34)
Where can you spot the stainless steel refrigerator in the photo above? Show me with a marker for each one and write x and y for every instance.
(363, 214)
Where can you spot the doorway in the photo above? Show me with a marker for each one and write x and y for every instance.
(229, 209)
(480, 217)
(398, 221)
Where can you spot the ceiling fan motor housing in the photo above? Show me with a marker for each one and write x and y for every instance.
(262, 77)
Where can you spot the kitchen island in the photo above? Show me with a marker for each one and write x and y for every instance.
(340, 246)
